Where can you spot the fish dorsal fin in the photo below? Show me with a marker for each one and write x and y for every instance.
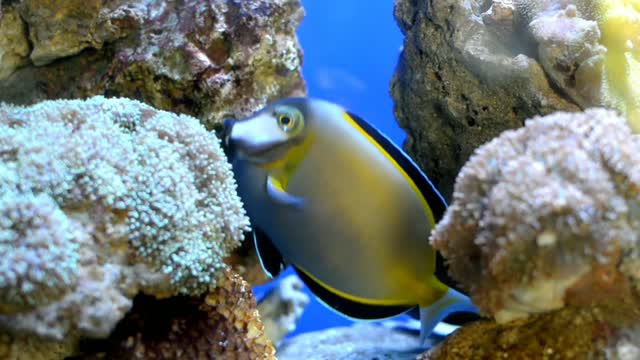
(436, 203)
(347, 307)
(270, 258)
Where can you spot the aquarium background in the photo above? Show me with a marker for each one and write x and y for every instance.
(351, 50)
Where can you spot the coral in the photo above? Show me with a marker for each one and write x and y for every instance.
(208, 59)
(595, 333)
(282, 307)
(464, 77)
(546, 216)
(102, 199)
(223, 324)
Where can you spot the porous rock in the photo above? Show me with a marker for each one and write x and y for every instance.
(461, 81)
(223, 324)
(206, 58)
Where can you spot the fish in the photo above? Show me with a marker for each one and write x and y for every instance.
(330, 195)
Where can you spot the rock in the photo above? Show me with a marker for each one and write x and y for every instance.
(357, 342)
(209, 59)
(571, 333)
(14, 45)
(223, 324)
(282, 307)
(459, 82)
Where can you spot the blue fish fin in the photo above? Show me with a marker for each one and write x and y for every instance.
(453, 301)
(270, 258)
(280, 196)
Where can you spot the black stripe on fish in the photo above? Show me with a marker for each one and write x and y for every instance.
(436, 202)
(348, 307)
(270, 258)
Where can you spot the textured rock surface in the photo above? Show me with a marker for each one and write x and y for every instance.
(206, 58)
(590, 49)
(458, 83)
(571, 333)
(223, 324)
(101, 199)
(282, 307)
(358, 342)
(546, 216)
(14, 45)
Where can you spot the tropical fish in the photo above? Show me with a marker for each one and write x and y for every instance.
(329, 194)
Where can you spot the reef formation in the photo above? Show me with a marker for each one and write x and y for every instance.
(472, 69)
(208, 59)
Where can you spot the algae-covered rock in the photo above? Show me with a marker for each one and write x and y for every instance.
(14, 44)
(461, 81)
(205, 58)
(102, 199)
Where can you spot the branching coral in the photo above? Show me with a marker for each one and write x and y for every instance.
(101, 199)
(547, 215)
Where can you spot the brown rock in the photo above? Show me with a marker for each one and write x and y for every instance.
(460, 81)
(571, 333)
(223, 324)
(208, 59)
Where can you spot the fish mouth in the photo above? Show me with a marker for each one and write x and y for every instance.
(264, 153)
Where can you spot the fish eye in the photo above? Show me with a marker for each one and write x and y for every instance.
(284, 120)
(289, 119)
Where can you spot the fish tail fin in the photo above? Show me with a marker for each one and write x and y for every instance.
(453, 301)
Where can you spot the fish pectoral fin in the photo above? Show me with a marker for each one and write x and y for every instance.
(270, 258)
(347, 307)
(277, 193)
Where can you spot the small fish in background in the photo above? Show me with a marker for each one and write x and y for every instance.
(330, 195)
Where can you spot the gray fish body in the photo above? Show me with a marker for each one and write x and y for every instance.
(363, 229)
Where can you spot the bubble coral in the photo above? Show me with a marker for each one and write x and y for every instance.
(547, 216)
(101, 199)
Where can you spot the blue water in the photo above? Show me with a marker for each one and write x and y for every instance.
(351, 49)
